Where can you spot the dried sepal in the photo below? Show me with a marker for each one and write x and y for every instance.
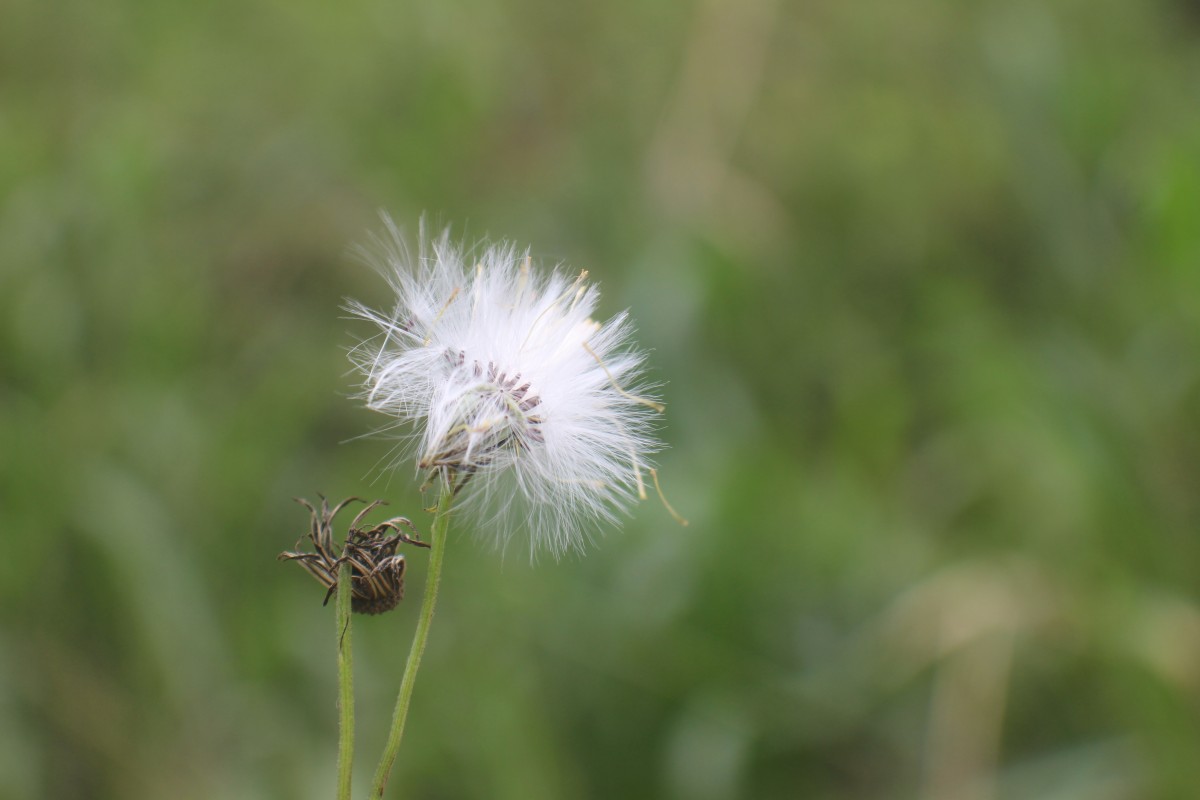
(377, 572)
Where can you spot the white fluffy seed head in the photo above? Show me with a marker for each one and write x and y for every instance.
(516, 393)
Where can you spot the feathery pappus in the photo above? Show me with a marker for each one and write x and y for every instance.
(537, 413)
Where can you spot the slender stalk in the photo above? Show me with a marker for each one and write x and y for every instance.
(441, 523)
(345, 660)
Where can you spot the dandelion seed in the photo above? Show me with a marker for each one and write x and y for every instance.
(536, 413)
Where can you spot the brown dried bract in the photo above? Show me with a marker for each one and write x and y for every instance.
(377, 573)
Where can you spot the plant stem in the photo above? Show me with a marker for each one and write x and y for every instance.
(441, 523)
(345, 660)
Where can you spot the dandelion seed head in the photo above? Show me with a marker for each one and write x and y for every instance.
(538, 411)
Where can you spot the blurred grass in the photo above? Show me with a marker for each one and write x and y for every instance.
(923, 279)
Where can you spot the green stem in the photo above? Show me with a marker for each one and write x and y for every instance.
(345, 660)
(441, 523)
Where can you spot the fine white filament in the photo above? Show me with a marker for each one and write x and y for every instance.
(537, 410)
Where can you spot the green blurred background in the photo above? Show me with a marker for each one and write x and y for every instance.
(923, 279)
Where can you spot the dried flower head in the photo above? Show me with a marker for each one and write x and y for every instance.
(513, 387)
(377, 573)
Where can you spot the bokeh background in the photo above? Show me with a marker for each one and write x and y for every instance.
(923, 280)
